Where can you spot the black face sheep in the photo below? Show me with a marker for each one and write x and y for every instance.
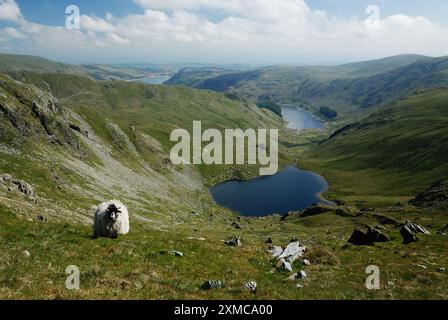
(110, 220)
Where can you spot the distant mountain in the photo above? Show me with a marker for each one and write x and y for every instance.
(22, 63)
(9, 62)
(346, 88)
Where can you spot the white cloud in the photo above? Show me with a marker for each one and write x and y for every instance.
(250, 31)
(97, 24)
(9, 10)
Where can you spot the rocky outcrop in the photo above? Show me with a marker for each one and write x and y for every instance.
(435, 197)
(410, 230)
(368, 237)
(11, 184)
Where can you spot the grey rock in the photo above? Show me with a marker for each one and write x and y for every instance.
(6, 178)
(212, 284)
(292, 252)
(299, 286)
(372, 235)
(251, 286)
(284, 265)
(24, 187)
(441, 269)
(415, 228)
(234, 242)
(408, 236)
(176, 253)
(301, 275)
(237, 225)
(306, 262)
(276, 251)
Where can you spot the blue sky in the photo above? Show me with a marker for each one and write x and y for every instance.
(49, 11)
(227, 31)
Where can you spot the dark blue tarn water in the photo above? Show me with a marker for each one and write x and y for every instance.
(299, 119)
(289, 190)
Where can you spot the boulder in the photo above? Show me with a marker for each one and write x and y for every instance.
(212, 284)
(358, 238)
(276, 251)
(292, 252)
(372, 235)
(435, 197)
(408, 236)
(24, 187)
(234, 242)
(284, 265)
(236, 225)
(250, 286)
(314, 211)
(415, 228)
(176, 253)
(5, 179)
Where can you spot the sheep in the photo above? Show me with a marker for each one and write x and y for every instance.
(110, 220)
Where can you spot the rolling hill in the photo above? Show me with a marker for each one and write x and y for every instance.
(69, 142)
(349, 89)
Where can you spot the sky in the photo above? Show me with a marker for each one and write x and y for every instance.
(302, 32)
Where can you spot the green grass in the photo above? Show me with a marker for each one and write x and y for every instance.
(136, 267)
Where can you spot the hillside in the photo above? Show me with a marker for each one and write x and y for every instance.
(349, 89)
(9, 62)
(69, 142)
(109, 139)
(398, 150)
(19, 63)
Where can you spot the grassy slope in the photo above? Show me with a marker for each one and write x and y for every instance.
(349, 89)
(397, 151)
(36, 64)
(133, 267)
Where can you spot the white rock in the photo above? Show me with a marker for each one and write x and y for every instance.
(251, 286)
(306, 262)
(26, 253)
(276, 251)
(302, 274)
(292, 252)
(284, 265)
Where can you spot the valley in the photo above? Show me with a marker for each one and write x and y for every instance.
(78, 141)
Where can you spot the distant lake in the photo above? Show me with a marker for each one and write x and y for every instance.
(154, 80)
(289, 190)
(299, 119)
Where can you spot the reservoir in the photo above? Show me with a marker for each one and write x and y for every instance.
(291, 189)
(299, 119)
(154, 80)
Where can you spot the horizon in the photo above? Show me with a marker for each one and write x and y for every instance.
(254, 32)
(185, 64)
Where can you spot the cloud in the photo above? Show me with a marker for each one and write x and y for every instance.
(96, 24)
(249, 31)
(9, 10)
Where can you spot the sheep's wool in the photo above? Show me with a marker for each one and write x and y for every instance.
(104, 226)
